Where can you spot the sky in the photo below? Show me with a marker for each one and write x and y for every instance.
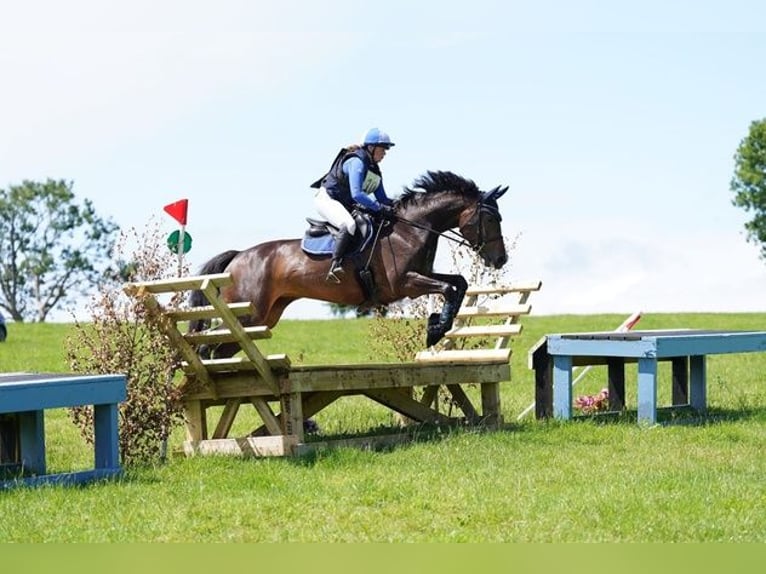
(614, 124)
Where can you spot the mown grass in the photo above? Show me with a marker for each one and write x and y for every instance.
(588, 480)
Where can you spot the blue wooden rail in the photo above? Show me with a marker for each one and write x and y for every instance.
(687, 349)
(26, 396)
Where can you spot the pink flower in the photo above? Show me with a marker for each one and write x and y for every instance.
(589, 404)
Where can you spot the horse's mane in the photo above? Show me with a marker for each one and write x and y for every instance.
(435, 182)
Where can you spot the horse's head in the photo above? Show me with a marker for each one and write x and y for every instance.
(480, 225)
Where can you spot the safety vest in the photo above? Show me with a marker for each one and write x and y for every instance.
(336, 181)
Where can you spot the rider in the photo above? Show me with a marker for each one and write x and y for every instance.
(353, 177)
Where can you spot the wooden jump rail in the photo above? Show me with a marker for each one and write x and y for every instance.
(301, 391)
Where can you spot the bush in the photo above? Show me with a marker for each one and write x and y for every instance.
(124, 337)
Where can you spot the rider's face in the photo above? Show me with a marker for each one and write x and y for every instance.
(378, 153)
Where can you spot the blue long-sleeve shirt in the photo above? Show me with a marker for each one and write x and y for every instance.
(363, 183)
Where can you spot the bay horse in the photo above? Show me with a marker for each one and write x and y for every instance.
(273, 274)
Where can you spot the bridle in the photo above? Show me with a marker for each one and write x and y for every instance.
(482, 206)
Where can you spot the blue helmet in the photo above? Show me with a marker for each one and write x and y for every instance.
(377, 137)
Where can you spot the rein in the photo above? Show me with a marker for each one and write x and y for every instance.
(455, 236)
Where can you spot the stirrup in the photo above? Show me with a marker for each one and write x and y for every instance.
(332, 274)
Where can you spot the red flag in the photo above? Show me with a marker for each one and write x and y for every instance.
(177, 210)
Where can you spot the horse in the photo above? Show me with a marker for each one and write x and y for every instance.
(273, 274)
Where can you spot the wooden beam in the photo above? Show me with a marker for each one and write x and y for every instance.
(394, 399)
(216, 336)
(227, 418)
(476, 356)
(363, 377)
(484, 331)
(280, 445)
(233, 324)
(191, 283)
(208, 312)
(485, 311)
(267, 415)
(503, 289)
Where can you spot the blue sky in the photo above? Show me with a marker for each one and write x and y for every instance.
(613, 123)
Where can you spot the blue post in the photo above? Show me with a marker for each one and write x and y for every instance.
(562, 387)
(697, 383)
(647, 391)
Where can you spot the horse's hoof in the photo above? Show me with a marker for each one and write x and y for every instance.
(310, 426)
(433, 336)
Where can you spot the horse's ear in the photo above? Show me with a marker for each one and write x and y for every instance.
(496, 193)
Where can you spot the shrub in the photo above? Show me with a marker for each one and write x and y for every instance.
(123, 336)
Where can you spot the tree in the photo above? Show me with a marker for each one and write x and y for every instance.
(749, 182)
(52, 249)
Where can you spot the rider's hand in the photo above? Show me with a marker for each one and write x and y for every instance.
(386, 212)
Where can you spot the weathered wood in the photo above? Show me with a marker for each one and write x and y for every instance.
(405, 405)
(171, 331)
(247, 345)
(362, 377)
(208, 312)
(267, 415)
(464, 403)
(490, 405)
(217, 336)
(275, 362)
(191, 283)
(280, 445)
(464, 356)
(227, 418)
(484, 331)
(521, 287)
(196, 422)
(493, 311)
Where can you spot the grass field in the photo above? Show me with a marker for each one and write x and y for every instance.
(584, 481)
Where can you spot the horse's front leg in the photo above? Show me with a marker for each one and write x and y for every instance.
(451, 287)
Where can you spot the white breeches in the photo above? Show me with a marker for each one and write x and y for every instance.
(333, 211)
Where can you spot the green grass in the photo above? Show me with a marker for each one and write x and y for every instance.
(586, 480)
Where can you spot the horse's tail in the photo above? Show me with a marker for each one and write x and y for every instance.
(197, 298)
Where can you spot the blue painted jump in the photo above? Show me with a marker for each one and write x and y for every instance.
(682, 347)
(26, 396)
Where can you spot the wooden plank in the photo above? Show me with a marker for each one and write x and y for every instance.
(277, 362)
(360, 378)
(401, 403)
(171, 285)
(233, 324)
(208, 312)
(280, 445)
(503, 289)
(484, 331)
(186, 351)
(216, 336)
(227, 418)
(494, 311)
(477, 356)
(312, 404)
(270, 421)
(462, 401)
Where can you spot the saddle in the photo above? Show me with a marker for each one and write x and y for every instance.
(319, 238)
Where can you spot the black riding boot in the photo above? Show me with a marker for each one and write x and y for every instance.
(342, 241)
